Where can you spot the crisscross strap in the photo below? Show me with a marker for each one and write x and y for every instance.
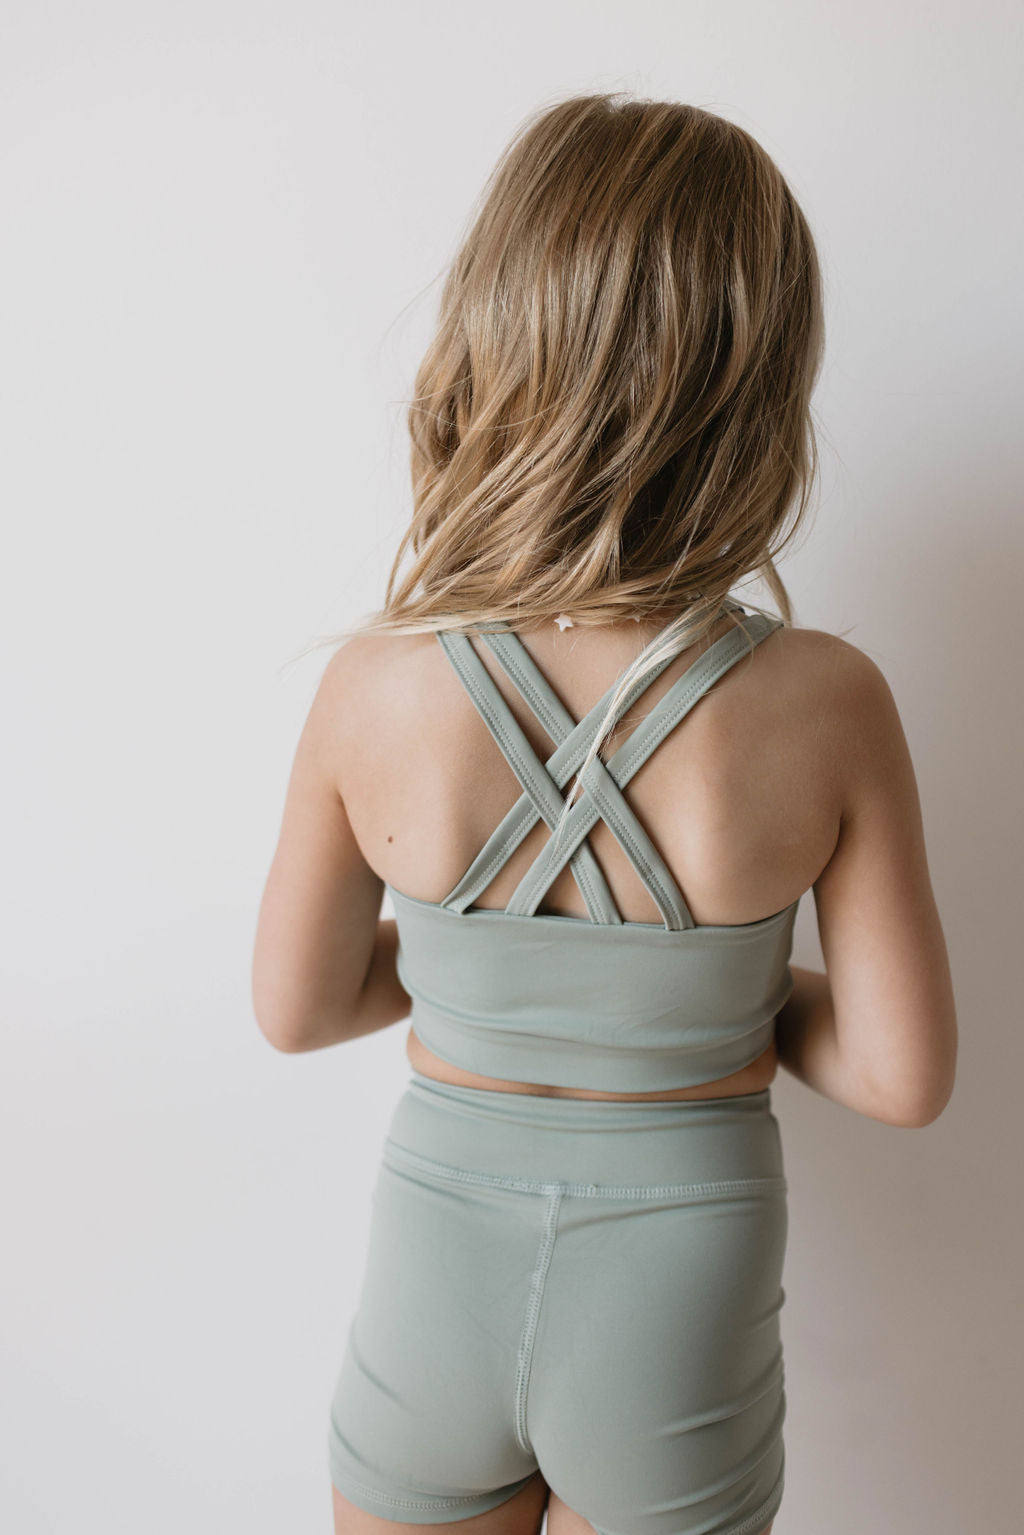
(620, 817)
(541, 790)
(630, 757)
(542, 782)
(559, 768)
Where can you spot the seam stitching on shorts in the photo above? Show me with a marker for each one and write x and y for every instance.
(384, 1497)
(753, 1522)
(525, 1353)
(401, 1154)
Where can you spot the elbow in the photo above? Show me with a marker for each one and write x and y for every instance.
(916, 1116)
(291, 1034)
(916, 1110)
(285, 1039)
(294, 1033)
(272, 1021)
(286, 1018)
(285, 1044)
(913, 1092)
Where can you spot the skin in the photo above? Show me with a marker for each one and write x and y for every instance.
(791, 775)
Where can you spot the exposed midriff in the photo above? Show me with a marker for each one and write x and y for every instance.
(751, 1079)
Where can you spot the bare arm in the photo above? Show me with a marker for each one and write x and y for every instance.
(878, 1033)
(382, 1000)
(323, 968)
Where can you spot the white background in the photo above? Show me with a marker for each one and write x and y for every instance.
(224, 228)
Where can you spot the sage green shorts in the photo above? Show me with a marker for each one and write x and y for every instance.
(587, 1287)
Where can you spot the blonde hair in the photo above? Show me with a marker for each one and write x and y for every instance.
(613, 417)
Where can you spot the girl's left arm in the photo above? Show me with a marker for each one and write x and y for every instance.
(323, 967)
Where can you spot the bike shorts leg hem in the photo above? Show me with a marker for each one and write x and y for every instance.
(421, 1508)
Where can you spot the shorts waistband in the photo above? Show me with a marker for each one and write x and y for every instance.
(533, 1136)
(542, 1108)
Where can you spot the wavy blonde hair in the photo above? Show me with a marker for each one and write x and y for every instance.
(613, 417)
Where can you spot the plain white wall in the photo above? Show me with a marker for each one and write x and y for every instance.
(224, 225)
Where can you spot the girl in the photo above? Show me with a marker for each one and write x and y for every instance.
(596, 787)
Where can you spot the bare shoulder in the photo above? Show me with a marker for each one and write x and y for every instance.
(365, 660)
(841, 696)
(372, 678)
(822, 654)
(829, 668)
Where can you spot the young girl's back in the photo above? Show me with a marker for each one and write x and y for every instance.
(595, 790)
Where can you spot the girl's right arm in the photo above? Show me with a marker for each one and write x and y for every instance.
(878, 1033)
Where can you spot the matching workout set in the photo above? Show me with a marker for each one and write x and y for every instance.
(588, 1287)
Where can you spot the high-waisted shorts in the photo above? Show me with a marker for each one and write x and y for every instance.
(586, 1287)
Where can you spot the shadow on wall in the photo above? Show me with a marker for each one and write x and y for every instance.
(904, 1325)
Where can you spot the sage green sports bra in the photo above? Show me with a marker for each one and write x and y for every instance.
(588, 1002)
